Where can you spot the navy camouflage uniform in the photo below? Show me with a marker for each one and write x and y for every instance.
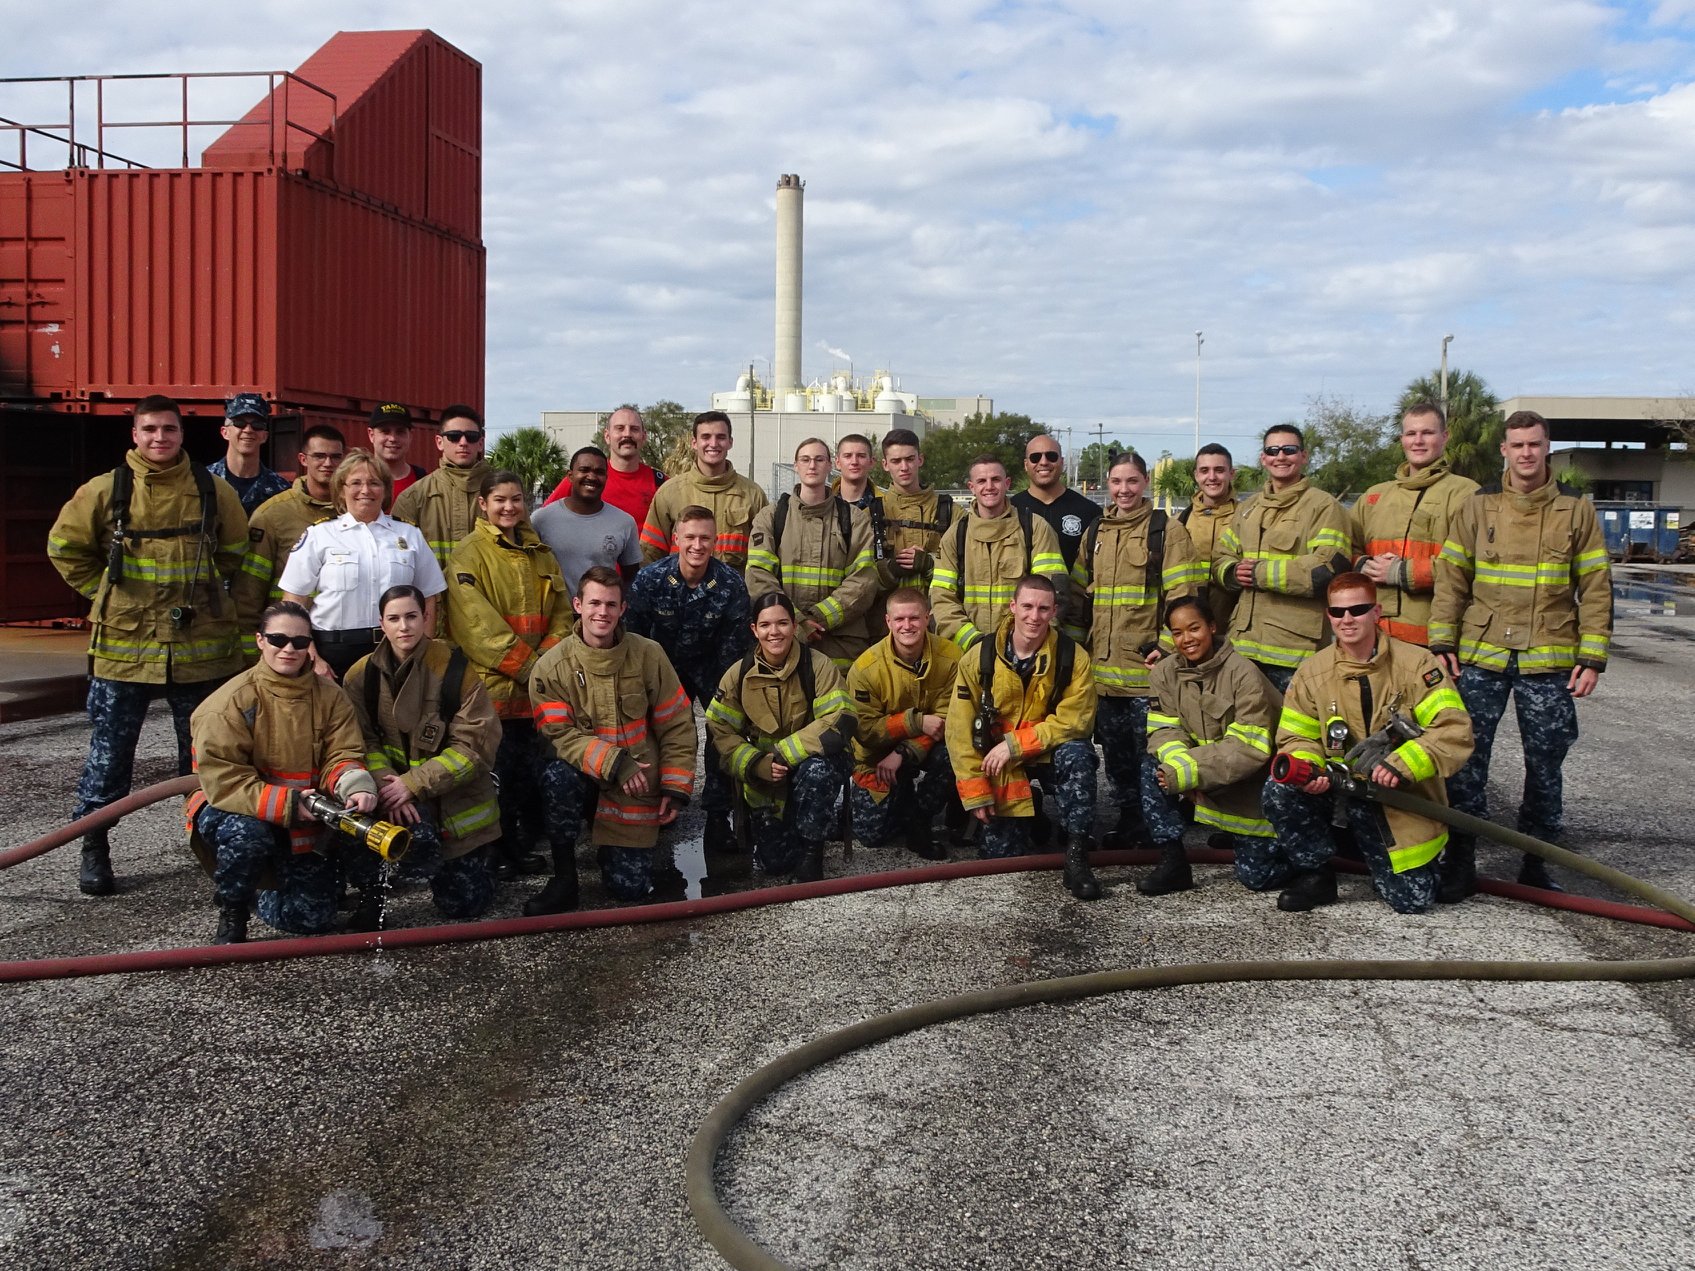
(1260, 862)
(308, 884)
(266, 485)
(917, 797)
(1121, 728)
(462, 888)
(625, 872)
(1303, 838)
(704, 629)
(116, 710)
(1068, 778)
(1547, 726)
(808, 814)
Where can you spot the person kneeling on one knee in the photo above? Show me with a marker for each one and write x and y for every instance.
(1340, 696)
(267, 735)
(1024, 711)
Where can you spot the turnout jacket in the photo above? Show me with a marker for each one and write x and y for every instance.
(765, 715)
(272, 532)
(262, 737)
(1029, 726)
(831, 582)
(1210, 727)
(1525, 574)
(606, 711)
(891, 698)
(912, 520)
(1410, 516)
(443, 505)
(444, 763)
(166, 566)
(1121, 597)
(1204, 525)
(1399, 676)
(970, 596)
(734, 501)
(1298, 539)
(506, 606)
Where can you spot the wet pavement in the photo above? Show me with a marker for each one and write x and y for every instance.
(530, 1102)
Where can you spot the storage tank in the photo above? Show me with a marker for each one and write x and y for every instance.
(890, 404)
(794, 403)
(827, 403)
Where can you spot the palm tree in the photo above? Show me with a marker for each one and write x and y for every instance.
(1475, 423)
(533, 455)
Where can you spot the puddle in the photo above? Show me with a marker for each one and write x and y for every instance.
(346, 1220)
(1666, 597)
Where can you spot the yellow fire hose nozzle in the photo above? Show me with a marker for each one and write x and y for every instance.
(386, 839)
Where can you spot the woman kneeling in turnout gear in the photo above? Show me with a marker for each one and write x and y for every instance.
(1366, 686)
(1022, 712)
(1211, 717)
(263, 738)
(622, 732)
(431, 735)
(780, 725)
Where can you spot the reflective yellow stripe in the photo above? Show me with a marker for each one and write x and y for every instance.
(1254, 738)
(1401, 859)
(1186, 773)
(1443, 699)
(1292, 721)
(1456, 554)
(1120, 676)
(468, 821)
(1207, 814)
(1416, 760)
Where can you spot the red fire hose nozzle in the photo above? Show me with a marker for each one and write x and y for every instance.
(1287, 770)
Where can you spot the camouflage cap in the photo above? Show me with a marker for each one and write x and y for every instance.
(247, 404)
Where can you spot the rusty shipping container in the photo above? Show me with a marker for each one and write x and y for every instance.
(326, 253)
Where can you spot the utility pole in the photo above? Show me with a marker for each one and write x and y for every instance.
(1199, 340)
(1446, 340)
(1100, 457)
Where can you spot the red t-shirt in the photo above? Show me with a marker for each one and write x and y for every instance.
(413, 472)
(631, 492)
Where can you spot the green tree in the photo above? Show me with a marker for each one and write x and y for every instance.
(1350, 449)
(1475, 424)
(948, 452)
(669, 428)
(533, 455)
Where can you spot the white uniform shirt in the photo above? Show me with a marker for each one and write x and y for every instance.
(347, 564)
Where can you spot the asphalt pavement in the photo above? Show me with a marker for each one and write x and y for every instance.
(529, 1102)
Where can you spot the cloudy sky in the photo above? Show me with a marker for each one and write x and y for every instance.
(1043, 202)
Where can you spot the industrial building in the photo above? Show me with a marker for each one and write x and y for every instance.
(323, 250)
(771, 420)
(1632, 449)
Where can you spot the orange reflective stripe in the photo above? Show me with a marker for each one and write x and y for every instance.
(196, 801)
(514, 661)
(525, 624)
(623, 734)
(1028, 742)
(554, 713)
(627, 813)
(1411, 632)
(977, 788)
(596, 755)
(896, 724)
(334, 774)
(678, 701)
(867, 779)
(1014, 790)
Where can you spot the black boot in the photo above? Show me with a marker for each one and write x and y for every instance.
(961, 825)
(921, 841)
(720, 834)
(560, 894)
(811, 867)
(95, 878)
(1078, 878)
(1219, 841)
(232, 925)
(1171, 874)
(1308, 889)
(368, 914)
(1534, 873)
(1457, 873)
(1130, 832)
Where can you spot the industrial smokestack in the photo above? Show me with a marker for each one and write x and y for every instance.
(786, 366)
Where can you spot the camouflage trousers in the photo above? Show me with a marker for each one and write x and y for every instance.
(462, 888)
(1278, 675)
(920, 793)
(518, 765)
(308, 886)
(1302, 822)
(1121, 728)
(780, 840)
(1260, 863)
(1547, 726)
(1067, 778)
(625, 872)
(117, 709)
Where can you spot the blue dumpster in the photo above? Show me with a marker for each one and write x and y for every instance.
(1640, 531)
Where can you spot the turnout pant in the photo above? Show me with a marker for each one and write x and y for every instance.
(1303, 838)
(919, 794)
(625, 872)
(308, 884)
(1067, 777)
(1547, 726)
(116, 710)
(1260, 863)
(462, 888)
(780, 838)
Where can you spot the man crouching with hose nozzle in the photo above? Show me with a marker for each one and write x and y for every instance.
(267, 735)
(1388, 713)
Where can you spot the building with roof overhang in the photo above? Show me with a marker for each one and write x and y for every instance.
(1635, 449)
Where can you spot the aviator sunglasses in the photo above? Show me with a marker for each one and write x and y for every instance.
(277, 640)
(1043, 456)
(1281, 450)
(456, 436)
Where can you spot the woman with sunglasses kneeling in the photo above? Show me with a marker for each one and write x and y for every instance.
(780, 723)
(430, 739)
(1211, 717)
(260, 740)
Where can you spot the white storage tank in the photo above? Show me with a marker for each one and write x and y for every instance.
(794, 403)
(888, 403)
(827, 403)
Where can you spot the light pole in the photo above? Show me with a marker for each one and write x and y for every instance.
(1199, 340)
(1446, 340)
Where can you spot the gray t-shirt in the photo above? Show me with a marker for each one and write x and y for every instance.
(608, 537)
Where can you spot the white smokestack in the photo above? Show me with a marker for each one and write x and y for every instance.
(786, 366)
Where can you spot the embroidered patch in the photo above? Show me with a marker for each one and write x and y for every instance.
(468, 580)
(962, 691)
(861, 695)
(1432, 677)
(255, 536)
(299, 542)
(759, 538)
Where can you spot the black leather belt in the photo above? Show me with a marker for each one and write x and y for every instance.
(356, 635)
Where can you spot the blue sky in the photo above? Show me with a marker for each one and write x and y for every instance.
(1043, 202)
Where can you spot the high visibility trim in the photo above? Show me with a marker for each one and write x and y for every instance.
(1164, 753)
(1443, 699)
(1185, 770)
(1157, 721)
(1270, 654)
(1292, 721)
(1254, 827)
(791, 750)
(1401, 859)
(1255, 738)
(1120, 676)
(975, 791)
(467, 821)
(742, 758)
(670, 707)
(725, 714)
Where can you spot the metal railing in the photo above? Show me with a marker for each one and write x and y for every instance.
(70, 135)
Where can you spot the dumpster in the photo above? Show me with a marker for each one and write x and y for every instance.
(1640, 531)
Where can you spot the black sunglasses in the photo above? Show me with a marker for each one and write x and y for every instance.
(277, 640)
(456, 436)
(1352, 611)
(1043, 456)
(1281, 450)
(248, 421)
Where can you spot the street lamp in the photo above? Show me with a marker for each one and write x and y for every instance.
(1446, 340)
(1199, 340)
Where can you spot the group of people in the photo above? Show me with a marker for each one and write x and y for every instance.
(428, 650)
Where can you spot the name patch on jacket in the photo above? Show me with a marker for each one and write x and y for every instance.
(963, 692)
(468, 580)
(1432, 677)
(862, 695)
